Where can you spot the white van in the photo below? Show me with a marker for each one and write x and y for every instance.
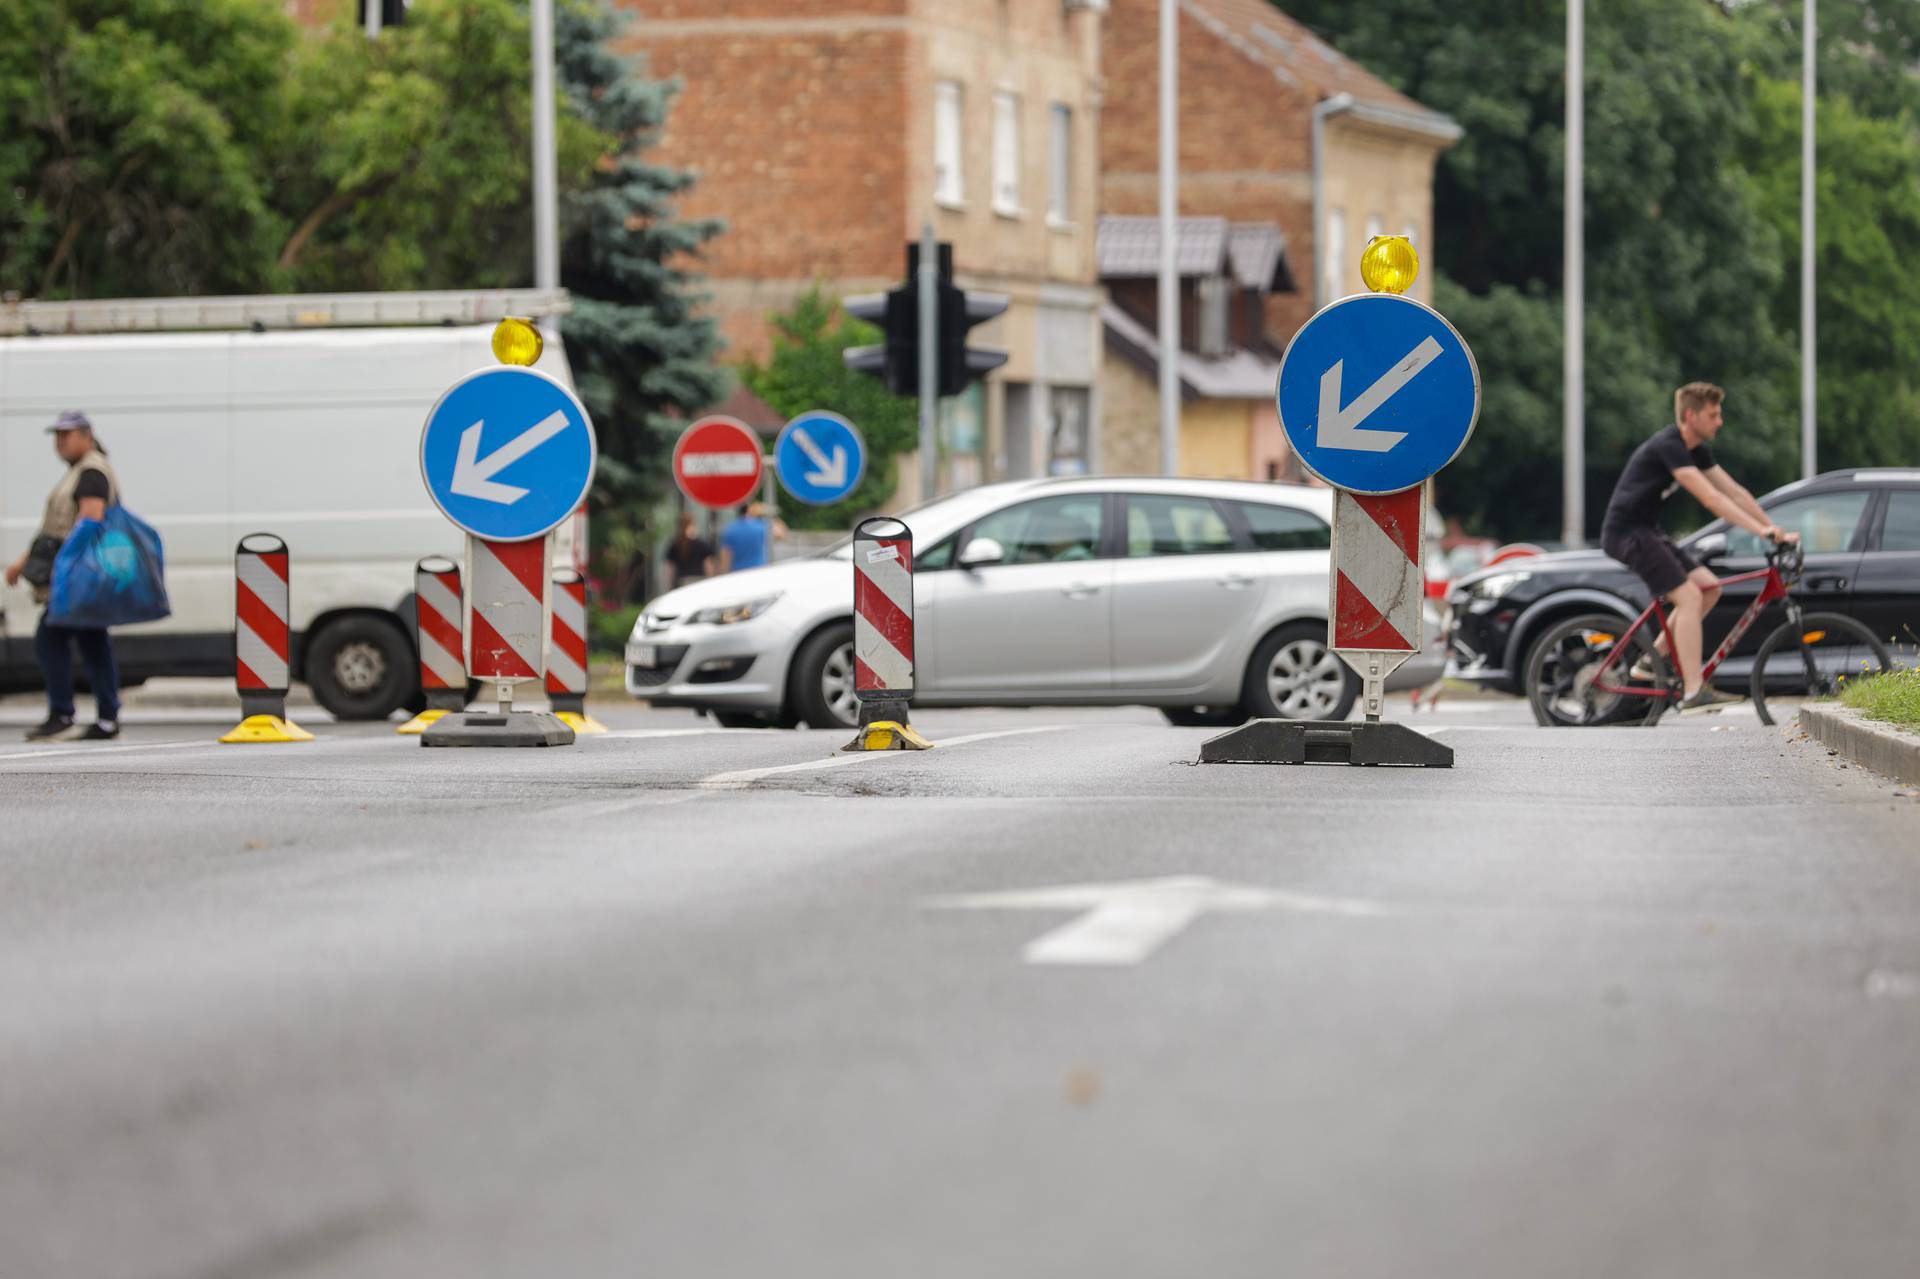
(311, 433)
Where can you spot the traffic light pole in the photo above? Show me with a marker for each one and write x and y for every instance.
(929, 362)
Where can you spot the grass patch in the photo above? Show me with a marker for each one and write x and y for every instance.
(1893, 697)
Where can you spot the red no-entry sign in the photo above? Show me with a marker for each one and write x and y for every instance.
(717, 462)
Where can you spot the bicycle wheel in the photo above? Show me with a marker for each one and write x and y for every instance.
(1828, 650)
(1562, 666)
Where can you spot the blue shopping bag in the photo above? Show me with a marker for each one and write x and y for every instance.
(110, 572)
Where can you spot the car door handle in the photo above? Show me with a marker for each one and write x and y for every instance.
(1234, 582)
(1829, 582)
(1079, 590)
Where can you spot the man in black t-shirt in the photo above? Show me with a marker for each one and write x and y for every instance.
(1678, 457)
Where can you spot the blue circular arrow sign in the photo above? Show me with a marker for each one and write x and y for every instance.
(820, 457)
(1377, 392)
(507, 453)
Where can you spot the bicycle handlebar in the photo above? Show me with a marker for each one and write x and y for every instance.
(1788, 557)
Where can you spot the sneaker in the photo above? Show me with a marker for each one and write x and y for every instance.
(51, 729)
(1707, 699)
(103, 731)
(1642, 672)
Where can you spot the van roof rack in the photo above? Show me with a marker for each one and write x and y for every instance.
(279, 311)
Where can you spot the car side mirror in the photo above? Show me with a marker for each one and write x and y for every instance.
(1710, 547)
(982, 551)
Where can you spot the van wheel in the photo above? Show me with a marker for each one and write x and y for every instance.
(820, 687)
(361, 668)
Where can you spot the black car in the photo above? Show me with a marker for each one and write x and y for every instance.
(1860, 530)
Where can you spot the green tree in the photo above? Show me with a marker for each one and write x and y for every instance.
(1678, 253)
(131, 161)
(643, 358)
(805, 371)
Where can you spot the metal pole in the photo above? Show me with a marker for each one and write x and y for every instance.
(929, 274)
(373, 17)
(1169, 289)
(1809, 369)
(546, 182)
(1573, 475)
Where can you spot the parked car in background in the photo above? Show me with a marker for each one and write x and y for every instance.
(1860, 530)
(1205, 598)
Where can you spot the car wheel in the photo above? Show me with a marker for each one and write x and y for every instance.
(1294, 675)
(360, 668)
(1204, 716)
(749, 719)
(820, 689)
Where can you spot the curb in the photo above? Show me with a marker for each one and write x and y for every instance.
(1868, 743)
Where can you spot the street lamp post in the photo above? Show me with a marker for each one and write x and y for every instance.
(1573, 477)
(1169, 289)
(546, 182)
(1809, 463)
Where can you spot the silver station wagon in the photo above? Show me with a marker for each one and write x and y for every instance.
(1205, 598)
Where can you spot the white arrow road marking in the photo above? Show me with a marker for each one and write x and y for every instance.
(1125, 922)
(828, 472)
(473, 474)
(1340, 428)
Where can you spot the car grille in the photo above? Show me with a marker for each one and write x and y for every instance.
(650, 676)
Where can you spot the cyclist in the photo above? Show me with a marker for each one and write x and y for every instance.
(1678, 457)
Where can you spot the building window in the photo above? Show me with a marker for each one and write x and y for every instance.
(948, 186)
(1006, 153)
(1214, 293)
(1333, 261)
(1060, 188)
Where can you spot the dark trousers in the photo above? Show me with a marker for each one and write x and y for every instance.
(53, 646)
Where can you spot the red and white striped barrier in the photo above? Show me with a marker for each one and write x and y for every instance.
(262, 640)
(506, 616)
(1378, 583)
(438, 620)
(567, 653)
(883, 634)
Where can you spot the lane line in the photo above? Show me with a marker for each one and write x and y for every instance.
(53, 752)
(740, 778)
(635, 734)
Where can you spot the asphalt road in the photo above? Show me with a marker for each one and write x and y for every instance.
(685, 1002)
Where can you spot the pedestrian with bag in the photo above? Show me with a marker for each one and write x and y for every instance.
(62, 564)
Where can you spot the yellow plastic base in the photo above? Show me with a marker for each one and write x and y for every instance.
(419, 723)
(888, 735)
(580, 722)
(267, 728)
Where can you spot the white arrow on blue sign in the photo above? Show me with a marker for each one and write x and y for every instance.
(1377, 392)
(507, 453)
(820, 457)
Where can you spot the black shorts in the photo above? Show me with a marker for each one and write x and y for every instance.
(1652, 556)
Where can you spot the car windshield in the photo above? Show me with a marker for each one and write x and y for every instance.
(936, 518)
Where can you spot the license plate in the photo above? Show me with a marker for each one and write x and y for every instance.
(644, 655)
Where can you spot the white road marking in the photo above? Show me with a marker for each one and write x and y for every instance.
(740, 778)
(633, 734)
(1126, 922)
(53, 752)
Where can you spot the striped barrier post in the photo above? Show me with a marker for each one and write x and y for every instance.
(506, 618)
(567, 653)
(438, 616)
(883, 635)
(262, 641)
(1379, 588)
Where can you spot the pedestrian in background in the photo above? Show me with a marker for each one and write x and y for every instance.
(84, 493)
(689, 555)
(748, 541)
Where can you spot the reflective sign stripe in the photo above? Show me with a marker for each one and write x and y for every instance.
(883, 615)
(1378, 586)
(508, 608)
(437, 607)
(260, 629)
(567, 655)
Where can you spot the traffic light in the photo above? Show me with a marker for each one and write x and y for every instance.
(896, 362)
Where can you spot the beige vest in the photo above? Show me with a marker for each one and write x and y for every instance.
(63, 508)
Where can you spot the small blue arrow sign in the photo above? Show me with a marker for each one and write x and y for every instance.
(507, 453)
(820, 457)
(1377, 392)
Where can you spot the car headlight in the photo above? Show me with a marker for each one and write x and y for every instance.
(728, 614)
(1492, 588)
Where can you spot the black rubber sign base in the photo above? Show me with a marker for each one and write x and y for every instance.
(513, 728)
(1290, 741)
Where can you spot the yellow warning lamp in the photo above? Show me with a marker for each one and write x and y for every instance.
(1390, 264)
(516, 341)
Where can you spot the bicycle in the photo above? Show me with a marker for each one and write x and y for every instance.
(1581, 671)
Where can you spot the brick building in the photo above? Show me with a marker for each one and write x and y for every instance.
(825, 132)
(1250, 80)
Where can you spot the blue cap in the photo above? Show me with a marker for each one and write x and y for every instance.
(71, 420)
